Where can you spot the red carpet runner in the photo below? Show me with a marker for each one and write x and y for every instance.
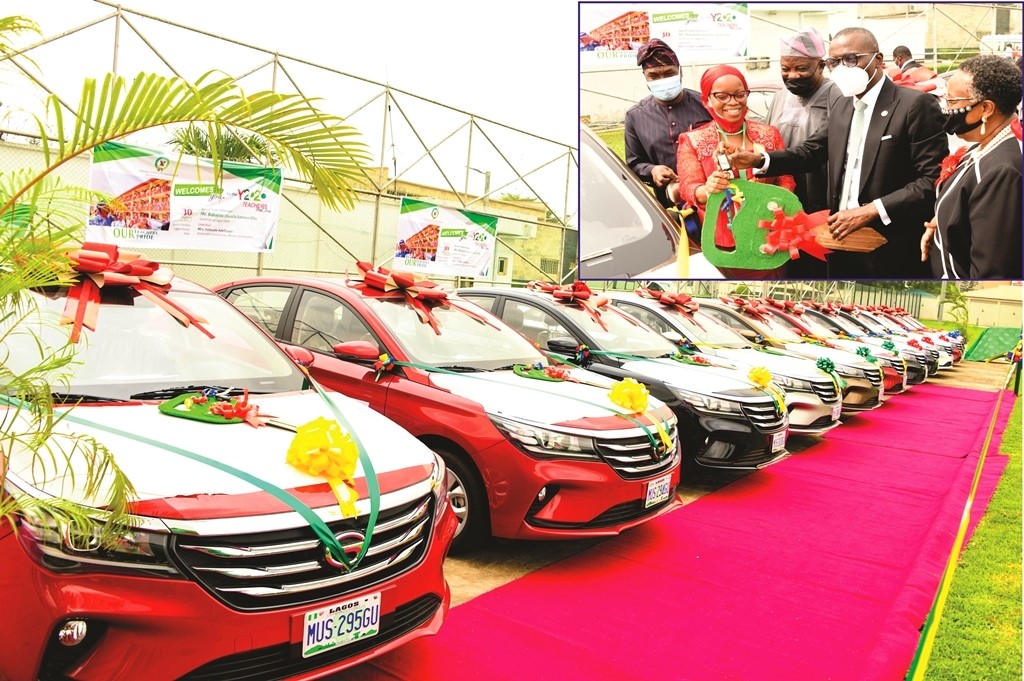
(823, 566)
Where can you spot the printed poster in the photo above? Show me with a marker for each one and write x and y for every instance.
(436, 240)
(167, 200)
(611, 33)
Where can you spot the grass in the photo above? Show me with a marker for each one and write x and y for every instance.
(979, 636)
(616, 141)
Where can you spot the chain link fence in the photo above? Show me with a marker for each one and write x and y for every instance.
(421, 149)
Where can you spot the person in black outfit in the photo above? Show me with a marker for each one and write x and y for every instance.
(976, 231)
(884, 177)
(654, 124)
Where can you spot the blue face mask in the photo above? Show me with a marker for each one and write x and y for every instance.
(666, 89)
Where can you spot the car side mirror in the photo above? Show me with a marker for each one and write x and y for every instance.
(300, 355)
(357, 351)
(562, 345)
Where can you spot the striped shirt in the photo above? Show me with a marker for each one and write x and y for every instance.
(652, 134)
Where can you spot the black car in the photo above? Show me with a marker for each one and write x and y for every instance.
(725, 420)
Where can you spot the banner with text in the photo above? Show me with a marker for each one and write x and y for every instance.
(436, 240)
(160, 203)
(611, 33)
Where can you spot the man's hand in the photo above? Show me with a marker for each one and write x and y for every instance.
(740, 158)
(662, 175)
(846, 222)
(926, 239)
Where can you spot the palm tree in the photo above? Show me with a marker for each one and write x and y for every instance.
(41, 217)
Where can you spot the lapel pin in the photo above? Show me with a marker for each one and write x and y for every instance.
(885, 113)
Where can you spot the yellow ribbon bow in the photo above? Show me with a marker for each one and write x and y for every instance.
(760, 376)
(323, 449)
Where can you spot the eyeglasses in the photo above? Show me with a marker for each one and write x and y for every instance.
(850, 59)
(723, 97)
(955, 99)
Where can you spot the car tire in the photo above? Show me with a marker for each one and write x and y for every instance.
(468, 499)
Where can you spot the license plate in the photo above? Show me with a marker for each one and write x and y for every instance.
(881, 390)
(904, 380)
(658, 490)
(778, 440)
(837, 410)
(340, 624)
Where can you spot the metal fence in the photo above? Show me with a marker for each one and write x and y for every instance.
(421, 149)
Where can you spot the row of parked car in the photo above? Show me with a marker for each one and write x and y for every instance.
(486, 412)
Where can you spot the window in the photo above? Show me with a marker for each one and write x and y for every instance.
(533, 322)
(647, 317)
(549, 265)
(322, 322)
(262, 304)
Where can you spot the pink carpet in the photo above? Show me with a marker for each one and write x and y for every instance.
(823, 566)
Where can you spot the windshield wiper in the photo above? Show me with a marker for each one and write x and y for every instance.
(507, 367)
(82, 398)
(174, 391)
(460, 368)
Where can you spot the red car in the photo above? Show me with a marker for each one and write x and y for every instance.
(217, 575)
(526, 459)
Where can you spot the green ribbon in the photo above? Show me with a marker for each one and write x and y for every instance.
(438, 370)
(318, 526)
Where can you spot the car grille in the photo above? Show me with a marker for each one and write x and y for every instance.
(286, 568)
(764, 415)
(826, 390)
(616, 515)
(634, 457)
(285, 661)
(933, 355)
(874, 375)
(896, 364)
(868, 403)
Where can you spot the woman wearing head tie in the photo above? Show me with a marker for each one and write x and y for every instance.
(976, 231)
(724, 93)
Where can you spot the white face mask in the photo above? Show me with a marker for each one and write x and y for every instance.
(851, 80)
(666, 89)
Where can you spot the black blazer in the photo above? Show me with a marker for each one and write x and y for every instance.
(904, 147)
(978, 213)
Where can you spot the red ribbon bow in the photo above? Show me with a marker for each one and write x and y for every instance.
(927, 340)
(755, 310)
(914, 344)
(421, 294)
(240, 409)
(794, 233)
(99, 265)
(578, 293)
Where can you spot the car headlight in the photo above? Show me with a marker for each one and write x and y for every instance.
(790, 383)
(852, 372)
(544, 442)
(85, 545)
(708, 403)
(438, 483)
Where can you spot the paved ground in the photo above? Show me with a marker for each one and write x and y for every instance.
(504, 561)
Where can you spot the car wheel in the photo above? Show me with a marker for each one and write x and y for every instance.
(469, 501)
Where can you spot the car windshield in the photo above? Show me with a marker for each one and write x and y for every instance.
(848, 325)
(139, 347)
(706, 329)
(464, 341)
(871, 323)
(775, 329)
(620, 333)
(815, 327)
(614, 214)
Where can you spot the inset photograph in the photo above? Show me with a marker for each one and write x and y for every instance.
(766, 141)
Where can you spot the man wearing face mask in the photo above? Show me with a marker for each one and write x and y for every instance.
(654, 124)
(882, 145)
(797, 112)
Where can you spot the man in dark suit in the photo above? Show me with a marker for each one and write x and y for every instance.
(883, 145)
(911, 70)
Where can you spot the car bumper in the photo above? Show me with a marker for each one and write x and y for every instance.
(861, 395)
(808, 415)
(722, 442)
(581, 498)
(173, 628)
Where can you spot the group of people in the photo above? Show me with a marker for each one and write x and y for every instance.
(872, 152)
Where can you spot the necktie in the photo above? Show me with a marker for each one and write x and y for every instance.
(853, 151)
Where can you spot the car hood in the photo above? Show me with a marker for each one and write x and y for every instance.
(707, 380)
(838, 356)
(876, 348)
(784, 365)
(398, 458)
(504, 393)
